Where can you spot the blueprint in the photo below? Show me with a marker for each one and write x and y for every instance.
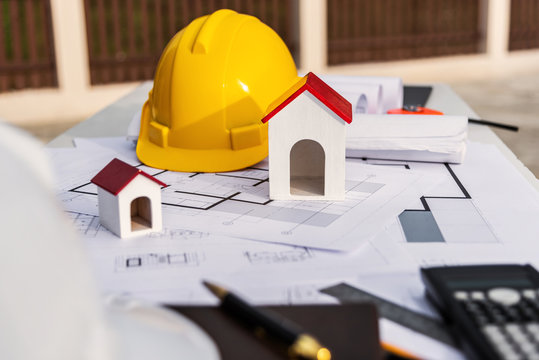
(168, 266)
(237, 203)
(478, 212)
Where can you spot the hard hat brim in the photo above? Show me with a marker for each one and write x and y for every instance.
(194, 160)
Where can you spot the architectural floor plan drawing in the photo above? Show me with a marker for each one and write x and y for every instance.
(153, 260)
(90, 228)
(237, 203)
(244, 195)
(447, 215)
(210, 220)
(482, 213)
(292, 255)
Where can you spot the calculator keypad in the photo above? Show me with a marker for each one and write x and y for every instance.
(508, 318)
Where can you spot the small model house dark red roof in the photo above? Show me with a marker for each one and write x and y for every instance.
(117, 174)
(322, 91)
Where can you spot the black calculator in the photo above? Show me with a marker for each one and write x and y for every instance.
(493, 310)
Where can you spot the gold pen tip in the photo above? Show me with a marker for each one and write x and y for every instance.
(215, 289)
(323, 354)
(307, 347)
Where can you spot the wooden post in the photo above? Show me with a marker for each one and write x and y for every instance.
(498, 23)
(70, 44)
(313, 35)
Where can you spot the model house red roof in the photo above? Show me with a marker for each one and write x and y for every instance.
(322, 91)
(117, 174)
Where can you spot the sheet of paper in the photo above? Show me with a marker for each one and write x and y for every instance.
(467, 225)
(237, 203)
(483, 213)
(171, 268)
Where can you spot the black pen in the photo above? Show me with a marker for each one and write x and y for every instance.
(492, 123)
(300, 345)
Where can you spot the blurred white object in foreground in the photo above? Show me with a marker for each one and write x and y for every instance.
(50, 307)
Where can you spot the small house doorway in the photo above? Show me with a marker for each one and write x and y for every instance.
(307, 168)
(141, 214)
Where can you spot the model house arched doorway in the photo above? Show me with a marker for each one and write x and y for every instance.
(307, 168)
(141, 214)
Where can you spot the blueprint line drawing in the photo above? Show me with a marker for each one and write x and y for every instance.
(435, 221)
(295, 254)
(253, 198)
(444, 210)
(88, 225)
(151, 261)
(199, 200)
(237, 203)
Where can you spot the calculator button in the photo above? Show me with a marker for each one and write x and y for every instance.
(471, 306)
(519, 337)
(505, 296)
(528, 312)
(529, 294)
(512, 356)
(481, 319)
(494, 333)
(508, 353)
(497, 337)
(477, 295)
(495, 313)
(533, 328)
(460, 295)
(513, 315)
(513, 329)
(527, 347)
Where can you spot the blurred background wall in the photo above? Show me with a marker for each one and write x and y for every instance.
(62, 60)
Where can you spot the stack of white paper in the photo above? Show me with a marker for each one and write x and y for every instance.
(437, 138)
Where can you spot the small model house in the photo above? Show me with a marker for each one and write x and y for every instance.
(129, 200)
(307, 139)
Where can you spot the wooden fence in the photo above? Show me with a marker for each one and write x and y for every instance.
(26, 45)
(524, 28)
(380, 30)
(126, 37)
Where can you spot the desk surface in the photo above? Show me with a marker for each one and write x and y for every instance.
(115, 118)
(114, 121)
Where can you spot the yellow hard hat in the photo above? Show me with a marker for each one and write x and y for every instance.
(212, 86)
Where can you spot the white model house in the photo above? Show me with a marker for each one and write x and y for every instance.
(129, 200)
(307, 139)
